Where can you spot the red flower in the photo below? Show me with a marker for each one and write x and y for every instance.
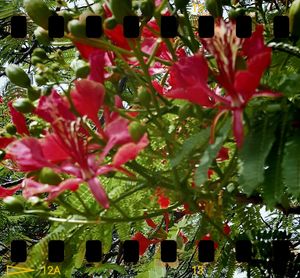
(66, 147)
(188, 80)
(223, 154)
(210, 172)
(163, 201)
(143, 242)
(226, 229)
(188, 76)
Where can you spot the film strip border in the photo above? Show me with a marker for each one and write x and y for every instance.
(168, 27)
(168, 251)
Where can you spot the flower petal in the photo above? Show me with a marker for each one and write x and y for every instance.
(69, 184)
(88, 97)
(143, 242)
(52, 150)
(129, 151)
(98, 192)
(5, 192)
(28, 154)
(18, 119)
(54, 106)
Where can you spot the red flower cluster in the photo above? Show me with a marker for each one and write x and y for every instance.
(66, 148)
(188, 77)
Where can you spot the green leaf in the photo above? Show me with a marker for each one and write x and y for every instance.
(253, 155)
(290, 84)
(291, 165)
(195, 141)
(273, 182)
(123, 230)
(154, 269)
(210, 154)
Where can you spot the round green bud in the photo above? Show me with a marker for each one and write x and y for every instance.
(36, 60)
(81, 68)
(23, 105)
(11, 129)
(67, 17)
(38, 11)
(48, 176)
(110, 23)
(136, 130)
(17, 76)
(234, 13)
(40, 80)
(35, 128)
(14, 203)
(40, 53)
(77, 28)
(42, 36)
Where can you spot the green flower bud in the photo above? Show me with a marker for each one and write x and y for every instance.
(36, 60)
(40, 52)
(294, 16)
(23, 105)
(136, 130)
(120, 9)
(110, 23)
(17, 76)
(14, 203)
(234, 13)
(144, 96)
(38, 11)
(42, 36)
(35, 128)
(40, 80)
(214, 7)
(81, 68)
(67, 17)
(11, 129)
(48, 176)
(77, 28)
(37, 203)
